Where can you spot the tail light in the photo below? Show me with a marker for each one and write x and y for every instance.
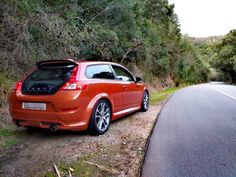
(18, 86)
(73, 83)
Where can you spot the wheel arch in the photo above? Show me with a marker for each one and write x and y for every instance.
(91, 124)
(102, 96)
(145, 89)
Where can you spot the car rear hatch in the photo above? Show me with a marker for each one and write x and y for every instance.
(49, 77)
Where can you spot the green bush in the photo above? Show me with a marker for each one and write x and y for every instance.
(142, 33)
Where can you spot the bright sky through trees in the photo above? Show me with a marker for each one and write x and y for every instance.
(201, 18)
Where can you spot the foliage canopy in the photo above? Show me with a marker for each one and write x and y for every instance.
(131, 32)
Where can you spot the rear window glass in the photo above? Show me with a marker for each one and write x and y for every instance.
(99, 72)
(46, 81)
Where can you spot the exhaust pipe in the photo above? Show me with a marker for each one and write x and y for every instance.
(18, 123)
(53, 127)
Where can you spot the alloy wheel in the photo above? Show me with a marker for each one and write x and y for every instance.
(146, 101)
(102, 116)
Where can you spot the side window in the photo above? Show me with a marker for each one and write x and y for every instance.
(122, 74)
(99, 72)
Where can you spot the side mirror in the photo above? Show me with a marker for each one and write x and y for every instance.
(138, 79)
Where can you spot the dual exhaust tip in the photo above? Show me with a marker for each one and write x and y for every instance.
(53, 127)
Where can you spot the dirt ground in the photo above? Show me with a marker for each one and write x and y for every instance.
(119, 152)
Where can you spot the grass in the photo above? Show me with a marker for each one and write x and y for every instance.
(9, 137)
(156, 97)
(11, 142)
(6, 132)
(80, 168)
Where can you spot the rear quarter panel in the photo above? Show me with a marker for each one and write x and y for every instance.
(109, 89)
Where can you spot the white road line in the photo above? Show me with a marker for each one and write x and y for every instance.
(223, 93)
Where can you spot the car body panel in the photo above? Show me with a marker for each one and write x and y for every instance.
(72, 109)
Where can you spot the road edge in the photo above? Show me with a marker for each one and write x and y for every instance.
(151, 132)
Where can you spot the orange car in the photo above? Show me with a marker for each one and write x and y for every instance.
(64, 94)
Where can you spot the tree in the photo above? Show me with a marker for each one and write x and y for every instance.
(225, 58)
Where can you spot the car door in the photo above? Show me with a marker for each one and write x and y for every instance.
(131, 90)
(102, 80)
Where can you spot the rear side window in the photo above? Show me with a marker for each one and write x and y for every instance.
(99, 72)
(46, 81)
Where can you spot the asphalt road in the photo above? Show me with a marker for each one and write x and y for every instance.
(195, 135)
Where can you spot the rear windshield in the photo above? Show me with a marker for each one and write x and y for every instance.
(46, 81)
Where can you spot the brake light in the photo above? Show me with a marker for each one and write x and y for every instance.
(18, 86)
(73, 83)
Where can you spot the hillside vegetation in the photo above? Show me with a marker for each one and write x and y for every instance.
(131, 32)
(142, 35)
(224, 57)
(221, 56)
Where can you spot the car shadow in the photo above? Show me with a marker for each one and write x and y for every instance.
(34, 131)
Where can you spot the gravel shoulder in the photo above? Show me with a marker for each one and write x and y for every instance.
(119, 152)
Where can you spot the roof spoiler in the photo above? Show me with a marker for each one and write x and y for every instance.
(68, 63)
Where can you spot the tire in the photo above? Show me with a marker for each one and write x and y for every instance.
(30, 129)
(100, 118)
(145, 102)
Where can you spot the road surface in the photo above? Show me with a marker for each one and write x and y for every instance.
(195, 135)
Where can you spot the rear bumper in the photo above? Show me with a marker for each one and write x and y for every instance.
(64, 121)
(46, 125)
(68, 110)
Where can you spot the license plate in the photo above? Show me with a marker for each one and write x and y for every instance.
(34, 106)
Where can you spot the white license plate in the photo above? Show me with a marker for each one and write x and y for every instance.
(34, 106)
